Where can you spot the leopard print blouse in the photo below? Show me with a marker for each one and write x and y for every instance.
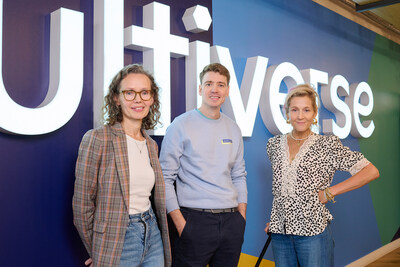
(296, 208)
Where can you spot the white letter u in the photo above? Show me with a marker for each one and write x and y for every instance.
(65, 83)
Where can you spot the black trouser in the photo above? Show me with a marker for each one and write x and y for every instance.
(209, 238)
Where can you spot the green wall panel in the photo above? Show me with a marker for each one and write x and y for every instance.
(383, 147)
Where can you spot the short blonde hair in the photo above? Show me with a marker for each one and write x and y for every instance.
(302, 90)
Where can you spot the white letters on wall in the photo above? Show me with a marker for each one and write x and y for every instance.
(198, 58)
(108, 50)
(260, 85)
(158, 45)
(242, 104)
(272, 100)
(65, 84)
(315, 78)
(361, 102)
(338, 85)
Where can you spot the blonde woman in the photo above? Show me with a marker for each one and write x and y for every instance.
(303, 165)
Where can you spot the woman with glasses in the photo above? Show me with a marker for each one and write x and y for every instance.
(119, 197)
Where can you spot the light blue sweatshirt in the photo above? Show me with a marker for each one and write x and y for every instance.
(205, 158)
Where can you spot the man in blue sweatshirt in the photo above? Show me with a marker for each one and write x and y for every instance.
(202, 154)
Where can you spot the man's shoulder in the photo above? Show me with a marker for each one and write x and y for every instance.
(181, 123)
(230, 122)
(184, 117)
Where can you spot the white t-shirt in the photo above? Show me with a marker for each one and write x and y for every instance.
(141, 176)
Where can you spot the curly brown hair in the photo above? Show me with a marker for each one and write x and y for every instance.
(113, 112)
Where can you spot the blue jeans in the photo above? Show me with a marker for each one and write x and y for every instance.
(143, 245)
(294, 250)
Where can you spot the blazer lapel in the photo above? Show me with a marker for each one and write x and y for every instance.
(155, 164)
(150, 148)
(121, 160)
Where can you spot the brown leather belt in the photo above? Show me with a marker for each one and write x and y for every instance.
(214, 210)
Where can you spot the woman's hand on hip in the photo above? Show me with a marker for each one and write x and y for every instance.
(322, 197)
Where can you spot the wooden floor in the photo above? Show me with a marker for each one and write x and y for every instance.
(389, 260)
(386, 256)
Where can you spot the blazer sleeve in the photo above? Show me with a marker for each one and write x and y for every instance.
(84, 199)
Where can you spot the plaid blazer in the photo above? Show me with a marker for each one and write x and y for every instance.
(101, 194)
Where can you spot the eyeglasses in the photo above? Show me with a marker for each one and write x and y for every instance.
(130, 95)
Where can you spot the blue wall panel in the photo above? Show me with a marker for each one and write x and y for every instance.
(309, 36)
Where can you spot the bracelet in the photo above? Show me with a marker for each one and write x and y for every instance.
(328, 195)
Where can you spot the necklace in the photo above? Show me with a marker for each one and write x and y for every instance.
(140, 149)
(299, 139)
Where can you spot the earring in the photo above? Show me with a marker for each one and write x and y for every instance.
(314, 121)
(287, 121)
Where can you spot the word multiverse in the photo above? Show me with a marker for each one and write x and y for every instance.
(263, 87)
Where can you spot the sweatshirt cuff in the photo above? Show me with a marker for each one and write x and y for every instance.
(242, 197)
(172, 204)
